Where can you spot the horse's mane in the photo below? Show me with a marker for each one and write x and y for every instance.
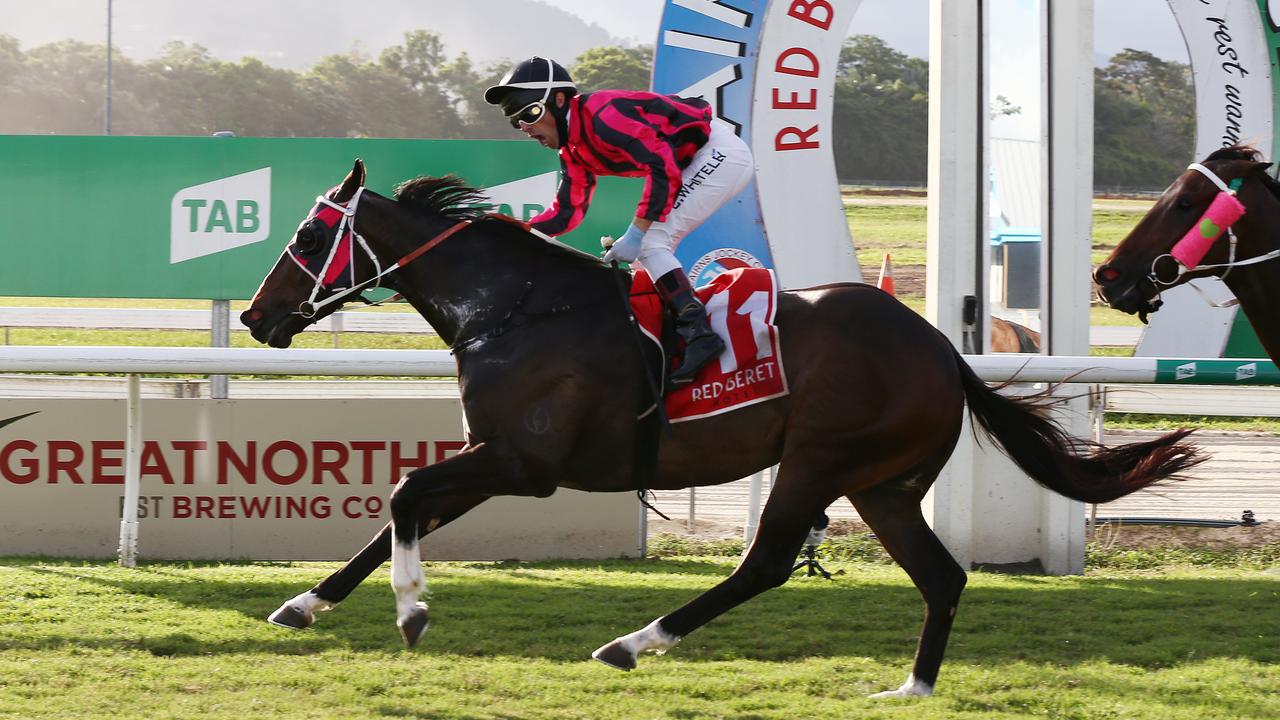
(449, 197)
(1252, 154)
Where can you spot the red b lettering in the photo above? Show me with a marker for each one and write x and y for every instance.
(802, 10)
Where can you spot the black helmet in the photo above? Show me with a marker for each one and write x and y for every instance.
(531, 81)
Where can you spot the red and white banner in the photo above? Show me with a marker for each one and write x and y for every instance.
(741, 305)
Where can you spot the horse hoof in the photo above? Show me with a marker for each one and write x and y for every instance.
(615, 656)
(414, 625)
(288, 616)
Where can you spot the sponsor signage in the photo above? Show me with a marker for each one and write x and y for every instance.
(1217, 372)
(217, 216)
(1231, 67)
(266, 479)
(205, 218)
(794, 98)
(733, 53)
(1233, 47)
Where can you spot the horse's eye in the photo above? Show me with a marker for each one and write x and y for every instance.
(308, 240)
(1183, 203)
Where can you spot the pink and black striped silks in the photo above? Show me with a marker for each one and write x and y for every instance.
(629, 134)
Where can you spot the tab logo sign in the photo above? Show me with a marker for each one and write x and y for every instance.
(1248, 371)
(220, 215)
(1185, 372)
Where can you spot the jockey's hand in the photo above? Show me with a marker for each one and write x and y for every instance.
(626, 248)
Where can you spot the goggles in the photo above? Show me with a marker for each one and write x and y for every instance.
(528, 115)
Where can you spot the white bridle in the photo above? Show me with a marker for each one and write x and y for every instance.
(1232, 241)
(309, 307)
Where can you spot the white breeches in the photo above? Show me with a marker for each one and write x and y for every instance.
(717, 172)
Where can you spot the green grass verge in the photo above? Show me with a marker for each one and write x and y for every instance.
(91, 640)
(902, 230)
(1126, 421)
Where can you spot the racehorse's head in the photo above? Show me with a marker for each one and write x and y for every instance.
(322, 261)
(1188, 233)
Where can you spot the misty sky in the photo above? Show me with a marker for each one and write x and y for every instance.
(1141, 24)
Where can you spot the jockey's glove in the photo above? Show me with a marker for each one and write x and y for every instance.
(626, 248)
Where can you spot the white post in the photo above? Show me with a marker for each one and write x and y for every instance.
(220, 336)
(693, 501)
(128, 551)
(1068, 206)
(983, 507)
(957, 218)
(753, 509)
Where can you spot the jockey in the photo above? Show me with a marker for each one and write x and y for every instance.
(692, 163)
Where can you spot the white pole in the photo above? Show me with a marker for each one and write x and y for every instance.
(219, 337)
(128, 552)
(107, 113)
(753, 509)
(692, 507)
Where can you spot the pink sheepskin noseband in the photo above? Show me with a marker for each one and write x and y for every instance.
(1223, 212)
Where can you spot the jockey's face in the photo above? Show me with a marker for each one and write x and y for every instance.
(544, 131)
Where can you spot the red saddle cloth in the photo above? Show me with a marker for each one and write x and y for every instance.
(741, 305)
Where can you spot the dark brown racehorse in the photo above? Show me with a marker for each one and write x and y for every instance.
(1140, 267)
(552, 383)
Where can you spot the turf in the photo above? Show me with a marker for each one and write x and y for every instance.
(91, 640)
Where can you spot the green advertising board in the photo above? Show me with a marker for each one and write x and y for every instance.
(1216, 372)
(205, 218)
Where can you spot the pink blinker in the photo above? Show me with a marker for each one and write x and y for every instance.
(1223, 212)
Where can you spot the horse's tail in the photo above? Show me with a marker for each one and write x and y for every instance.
(1068, 465)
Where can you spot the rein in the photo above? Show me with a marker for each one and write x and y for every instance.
(1187, 252)
(310, 307)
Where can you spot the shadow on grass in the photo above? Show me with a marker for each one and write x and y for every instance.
(1143, 622)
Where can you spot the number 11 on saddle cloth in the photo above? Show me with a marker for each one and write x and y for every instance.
(741, 305)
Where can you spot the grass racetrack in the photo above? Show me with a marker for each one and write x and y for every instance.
(513, 640)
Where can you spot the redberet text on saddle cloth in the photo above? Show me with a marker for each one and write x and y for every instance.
(741, 305)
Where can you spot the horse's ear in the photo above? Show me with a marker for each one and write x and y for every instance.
(1260, 166)
(354, 181)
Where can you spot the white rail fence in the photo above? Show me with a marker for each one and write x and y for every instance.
(358, 321)
(136, 361)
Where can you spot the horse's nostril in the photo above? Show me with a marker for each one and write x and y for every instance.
(1108, 274)
(250, 317)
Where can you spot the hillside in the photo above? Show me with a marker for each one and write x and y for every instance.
(295, 33)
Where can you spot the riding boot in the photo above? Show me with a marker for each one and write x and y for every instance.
(701, 343)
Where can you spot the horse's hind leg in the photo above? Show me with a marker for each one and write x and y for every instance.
(787, 518)
(894, 515)
(299, 612)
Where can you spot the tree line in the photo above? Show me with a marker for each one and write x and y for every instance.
(1144, 126)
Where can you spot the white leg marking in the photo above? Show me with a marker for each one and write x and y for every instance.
(302, 606)
(652, 637)
(406, 576)
(911, 688)
(310, 603)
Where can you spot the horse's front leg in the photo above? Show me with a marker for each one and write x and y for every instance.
(299, 611)
(487, 468)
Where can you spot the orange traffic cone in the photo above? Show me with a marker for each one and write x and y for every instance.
(885, 282)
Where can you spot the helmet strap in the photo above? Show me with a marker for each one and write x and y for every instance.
(560, 113)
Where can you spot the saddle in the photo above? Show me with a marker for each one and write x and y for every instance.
(741, 304)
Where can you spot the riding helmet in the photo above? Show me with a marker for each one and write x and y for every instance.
(528, 82)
